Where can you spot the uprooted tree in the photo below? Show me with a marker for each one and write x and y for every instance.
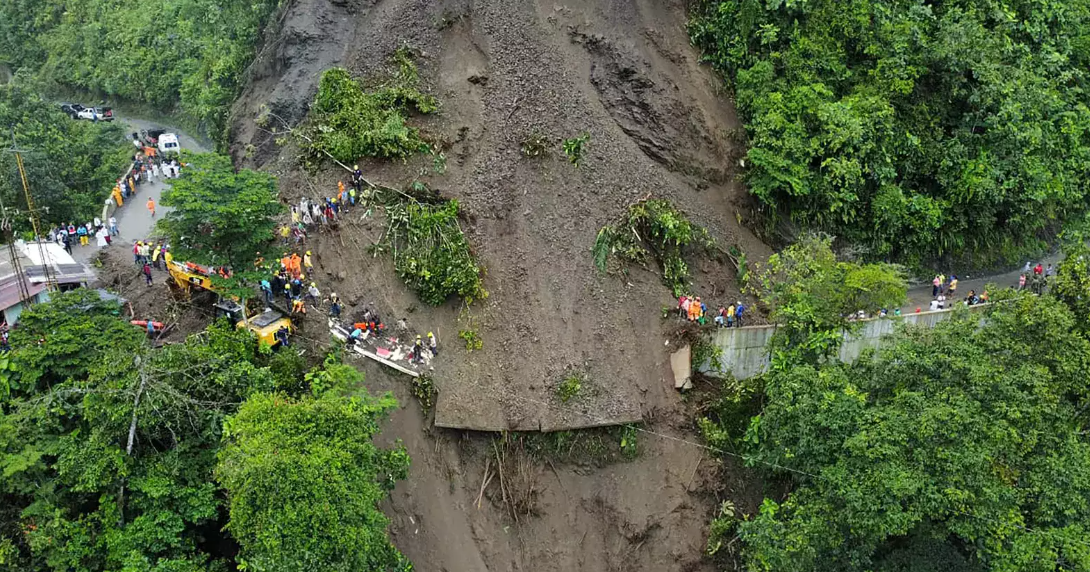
(810, 295)
(351, 119)
(653, 228)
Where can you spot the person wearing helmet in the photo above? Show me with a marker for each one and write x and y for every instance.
(418, 350)
(334, 306)
(739, 309)
(433, 345)
(313, 294)
(307, 262)
(357, 178)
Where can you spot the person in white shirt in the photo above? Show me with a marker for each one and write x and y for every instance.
(934, 305)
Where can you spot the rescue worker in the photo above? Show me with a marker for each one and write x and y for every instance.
(282, 336)
(433, 345)
(297, 306)
(357, 178)
(741, 308)
(151, 327)
(354, 337)
(266, 289)
(731, 310)
(334, 307)
(418, 350)
(116, 194)
(155, 252)
(308, 264)
(694, 309)
(313, 294)
(151, 206)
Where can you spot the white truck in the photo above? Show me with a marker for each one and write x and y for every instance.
(168, 144)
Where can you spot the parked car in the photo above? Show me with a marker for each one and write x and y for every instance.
(72, 109)
(168, 143)
(100, 113)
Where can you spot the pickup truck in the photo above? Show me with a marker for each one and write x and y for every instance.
(91, 113)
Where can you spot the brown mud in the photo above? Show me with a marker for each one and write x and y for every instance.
(624, 72)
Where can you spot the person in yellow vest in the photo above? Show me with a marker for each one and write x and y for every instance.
(117, 195)
(155, 251)
(308, 264)
(168, 257)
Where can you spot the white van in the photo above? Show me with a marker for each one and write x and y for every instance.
(168, 143)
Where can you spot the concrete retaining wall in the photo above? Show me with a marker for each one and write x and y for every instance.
(746, 354)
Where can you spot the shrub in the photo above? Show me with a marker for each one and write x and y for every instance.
(575, 147)
(570, 387)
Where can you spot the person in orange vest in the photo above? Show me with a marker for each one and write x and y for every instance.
(296, 265)
(151, 206)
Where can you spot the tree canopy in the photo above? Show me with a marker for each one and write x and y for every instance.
(963, 447)
(220, 216)
(71, 165)
(304, 481)
(917, 129)
(109, 447)
(811, 295)
(187, 52)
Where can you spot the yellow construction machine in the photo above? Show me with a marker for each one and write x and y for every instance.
(187, 277)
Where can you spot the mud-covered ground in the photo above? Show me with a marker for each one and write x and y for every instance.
(622, 71)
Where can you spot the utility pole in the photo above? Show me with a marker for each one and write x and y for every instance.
(35, 222)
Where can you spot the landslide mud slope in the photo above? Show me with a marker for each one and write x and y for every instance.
(623, 72)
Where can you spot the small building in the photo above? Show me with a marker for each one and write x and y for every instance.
(35, 259)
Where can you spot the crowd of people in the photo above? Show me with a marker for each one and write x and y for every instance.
(323, 212)
(693, 309)
(147, 166)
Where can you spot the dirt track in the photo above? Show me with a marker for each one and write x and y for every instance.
(622, 71)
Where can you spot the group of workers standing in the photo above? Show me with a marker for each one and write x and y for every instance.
(323, 212)
(693, 309)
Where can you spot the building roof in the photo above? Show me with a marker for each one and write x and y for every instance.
(65, 268)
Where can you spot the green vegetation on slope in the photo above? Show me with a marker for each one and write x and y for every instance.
(187, 52)
(71, 165)
(653, 228)
(918, 129)
(109, 449)
(350, 120)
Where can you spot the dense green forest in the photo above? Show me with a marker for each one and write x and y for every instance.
(920, 130)
(190, 53)
(959, 448)
(71, 165)
(119, 456)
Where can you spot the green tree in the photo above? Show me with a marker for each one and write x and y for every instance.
(71, 165)
(187, 53)
(811, 295)
(1072, 282)
(304, 481)
(221, 217)
(963, 447)
(109, 451)
(957, 129)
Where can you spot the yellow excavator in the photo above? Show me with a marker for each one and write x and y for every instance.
(188, 277)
